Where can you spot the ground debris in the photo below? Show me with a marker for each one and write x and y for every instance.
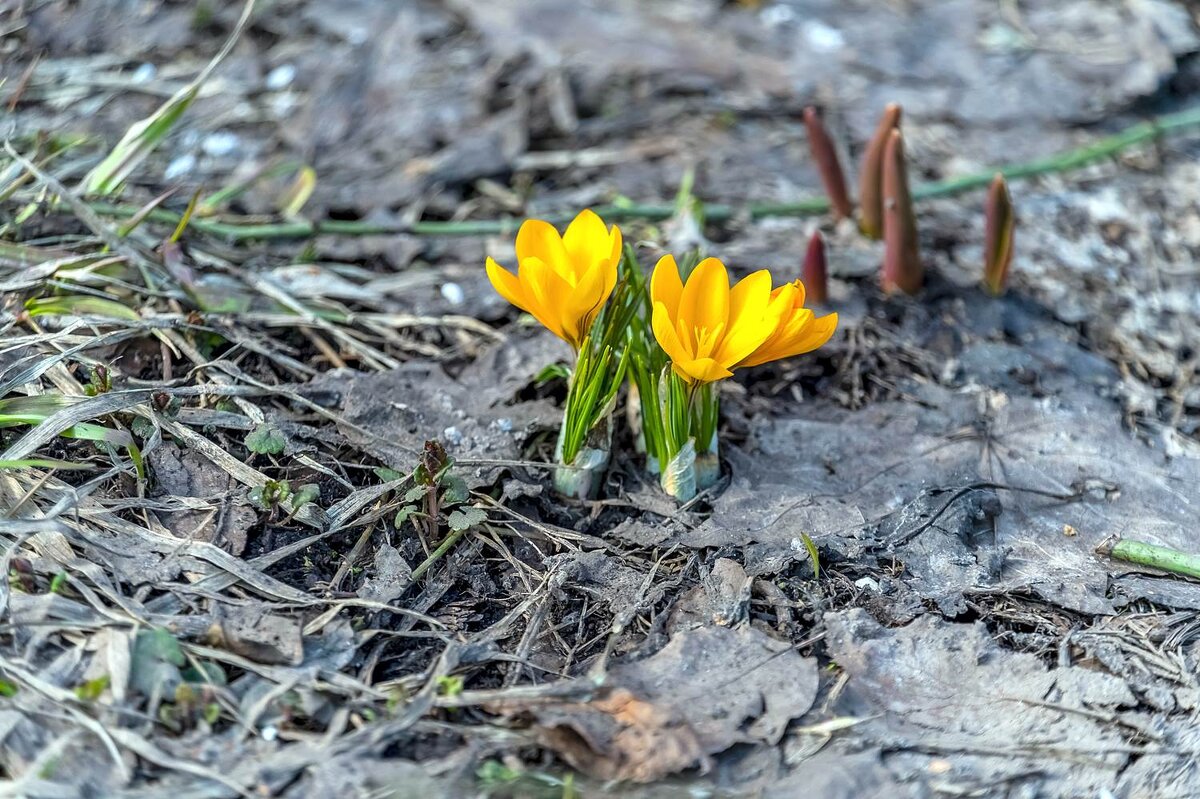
(182, 475)
(936, 689)
(262, 637)
(650, 723)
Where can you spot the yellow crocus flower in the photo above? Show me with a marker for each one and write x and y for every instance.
(799, 330)
(563, 281)
(707, 328)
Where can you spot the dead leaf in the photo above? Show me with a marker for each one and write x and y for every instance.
(706, 690)
(620, 737)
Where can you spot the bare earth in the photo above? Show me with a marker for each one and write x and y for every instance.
(955, 458)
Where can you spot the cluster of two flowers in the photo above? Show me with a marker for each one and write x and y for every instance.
(704, 327)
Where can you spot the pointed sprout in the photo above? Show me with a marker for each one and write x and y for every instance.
(815, 273)
(870, 178)
(901, 257)
(998, 236)
(825, 156)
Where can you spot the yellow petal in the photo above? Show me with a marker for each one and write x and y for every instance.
(538, 239)
(800, 294)
(585, 301)
(749, 325)
(615, 244)
(704, 303)
(506, 284)
(665, 285)
(799, 333)
(815, 334)
(547, 294)
(700, 370)
(664, 333)
(587, 242)
(780, 316)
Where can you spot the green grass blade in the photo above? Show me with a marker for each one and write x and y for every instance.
(80, 305)
(143, 137)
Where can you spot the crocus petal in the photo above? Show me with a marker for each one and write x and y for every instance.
(800, 294)
(506, 284)
(586, 241)
(538, 239)
(615, 245)
(814, 335)
(700, 370)
(704, 303)
(780, 313)
(749, 325)
(614, 261)
(585, 300)
(665, 285)
(664, 332)
(547, 293)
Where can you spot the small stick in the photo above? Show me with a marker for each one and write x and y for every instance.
(1143, 554)
(442, 549)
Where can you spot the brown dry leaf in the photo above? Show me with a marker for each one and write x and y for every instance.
(620, 737)
(706, 690)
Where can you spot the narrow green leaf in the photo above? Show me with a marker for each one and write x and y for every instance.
(44, 463)
(297, 194)
(80, 305)
(813, 554)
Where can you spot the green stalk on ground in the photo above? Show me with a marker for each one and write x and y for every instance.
(1077, 158)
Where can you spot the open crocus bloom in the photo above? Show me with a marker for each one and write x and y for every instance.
(562, 281)
(707, 328)
(799, 330)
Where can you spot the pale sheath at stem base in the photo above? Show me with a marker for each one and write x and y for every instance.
(583, 477)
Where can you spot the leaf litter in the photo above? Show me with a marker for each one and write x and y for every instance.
(254, 618)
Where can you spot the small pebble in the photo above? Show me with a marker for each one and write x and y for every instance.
(183, 165)
(270, 733)
(776, 14)
(504, 425)
(220, 143)
(144, 73)
(281, 77)
(823, 38)
(453, 293)
(452, 435)
(867, 583)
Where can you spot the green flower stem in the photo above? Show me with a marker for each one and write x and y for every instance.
(687, 458)
(584, 442)
(227, 227)
(1169, 560)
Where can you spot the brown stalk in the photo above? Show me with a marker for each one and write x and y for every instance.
(902, 267)
(815, 272)
(825, 156)
(998, 236)
(870, 179)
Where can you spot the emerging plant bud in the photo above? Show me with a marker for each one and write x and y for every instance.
(901, 257)
(999, 224)
(870, 179)
(825, 156)
(815, 273)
